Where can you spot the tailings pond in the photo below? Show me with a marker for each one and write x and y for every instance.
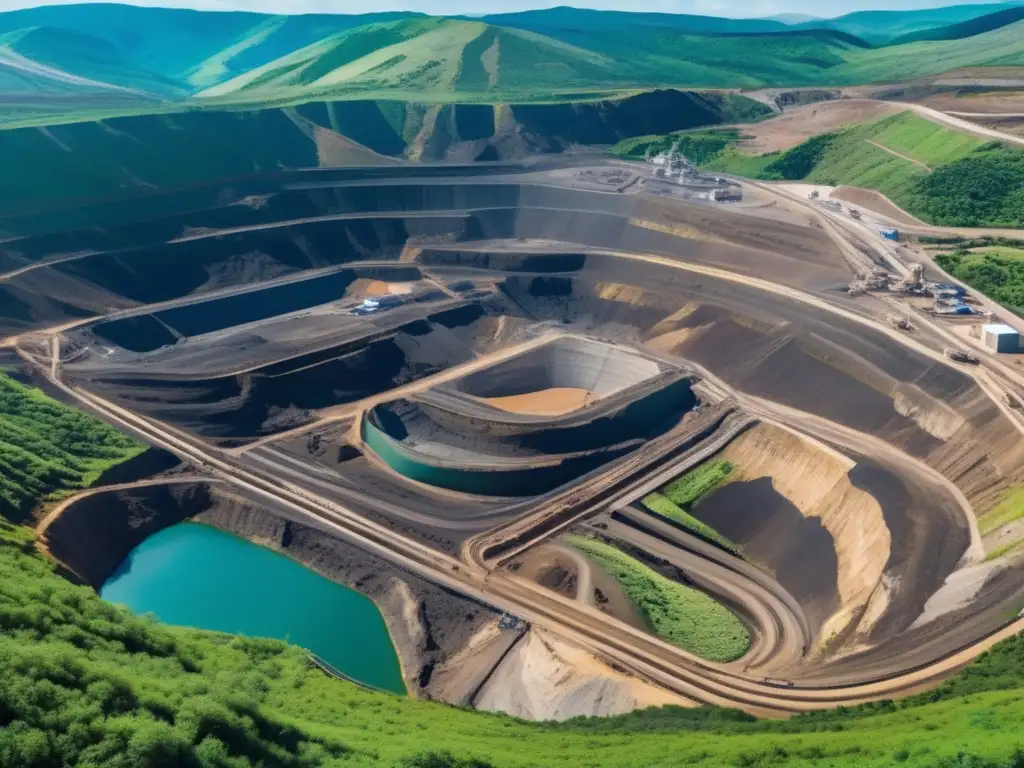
(197, 576)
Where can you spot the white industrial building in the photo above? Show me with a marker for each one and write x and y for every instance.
(1000, 338)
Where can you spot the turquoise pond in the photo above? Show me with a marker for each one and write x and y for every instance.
(196, 576)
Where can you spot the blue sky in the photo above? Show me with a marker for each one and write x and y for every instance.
(736, 8)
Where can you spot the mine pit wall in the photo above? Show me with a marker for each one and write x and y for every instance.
(166, 271)
(816, 483)
(243, 407)
(282, 138)
(659, 410)
(862, 542)
(492, 481)
(429, 625)
(566, 362)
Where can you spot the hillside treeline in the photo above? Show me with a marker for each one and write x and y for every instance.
(47, 449)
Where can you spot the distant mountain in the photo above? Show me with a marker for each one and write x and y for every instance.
(448, 57)
(970, 28)
(884, 26)
(52, 61)
(120, 55)
(793, 18)
(195, 48)
(583, 20)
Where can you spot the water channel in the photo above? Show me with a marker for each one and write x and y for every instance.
(197, 576)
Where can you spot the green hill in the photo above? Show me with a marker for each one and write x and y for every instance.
(425, 56)
(970, 28)
(76, 61)
(445, 59)
(1000, 47)
(884, 26)
(273, 38)
(86, 683)
(192, 48)
(549, 20)
(555, 55)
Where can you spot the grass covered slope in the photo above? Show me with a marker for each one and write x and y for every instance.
(85, 683)
(679, 614)
(665, 507)
(676, 499)
(47, 450)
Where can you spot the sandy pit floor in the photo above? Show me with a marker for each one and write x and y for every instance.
(546, 402)
(370, 288)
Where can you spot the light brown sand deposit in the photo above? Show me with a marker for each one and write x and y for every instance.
(545, 402)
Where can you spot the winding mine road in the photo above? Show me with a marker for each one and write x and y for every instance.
(783, 629)
(779, 628)
(647, 656)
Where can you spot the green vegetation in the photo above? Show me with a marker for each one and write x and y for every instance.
(869, 156)
(681, 615)
(47, 449)
(688, 490)
(1009, 509)
(969, 28)
(126, 60)
(86, 683)
(675, 500)
(700, 146)
(666, 508)
(985, 188)
(998, 273)
(1004, 550)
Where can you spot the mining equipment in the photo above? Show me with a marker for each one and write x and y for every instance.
(876, 280)
(890, 234)
(508, 621)
(960, 356)
(913, 282)
(900, 322)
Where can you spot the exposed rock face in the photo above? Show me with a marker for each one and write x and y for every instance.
(95, 533)
(815, 482)
(542, 678)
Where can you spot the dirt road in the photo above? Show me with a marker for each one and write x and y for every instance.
(900, 155)
(948, 119)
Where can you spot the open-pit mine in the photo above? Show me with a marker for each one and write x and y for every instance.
(590, 443)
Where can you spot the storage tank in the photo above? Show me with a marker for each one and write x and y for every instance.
(1001, 338)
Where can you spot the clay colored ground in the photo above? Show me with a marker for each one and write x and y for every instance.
(547, 402)
(797, 125)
